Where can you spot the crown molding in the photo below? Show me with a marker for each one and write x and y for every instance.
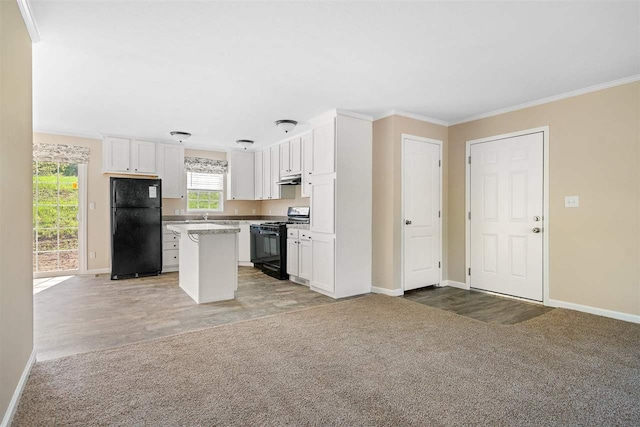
(96, 135)
(29, 20)
(549, 99)
(413, 116)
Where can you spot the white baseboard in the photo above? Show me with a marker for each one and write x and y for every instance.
(633, 318)
(15, 399)
(455, 284)
(245, 264)
(384, 291)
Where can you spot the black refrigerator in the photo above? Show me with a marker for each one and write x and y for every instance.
(136, 227)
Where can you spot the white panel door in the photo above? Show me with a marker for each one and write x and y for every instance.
(421, 198)
(323, 191)
(307, 164)
(259, 176)
(506, 208)
(116, 154)
(266, 174)
(324, 148)
(143, 157)
(292, 257)
(323, 261)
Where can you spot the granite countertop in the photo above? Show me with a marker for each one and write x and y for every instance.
(168, 219)
(298, 226)
(203, 228)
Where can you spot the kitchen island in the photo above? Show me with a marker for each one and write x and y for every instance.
(208, 260)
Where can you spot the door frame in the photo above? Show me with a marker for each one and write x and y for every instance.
(82, 230)
(545, 201)
(439, 143)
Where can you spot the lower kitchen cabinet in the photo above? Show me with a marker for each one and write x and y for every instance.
(293, 245)
(170, 250)
(299, 253)
(244, 245)
(323, 252)
(305, 260)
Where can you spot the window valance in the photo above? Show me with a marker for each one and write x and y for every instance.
(204, 165)
(61, 153)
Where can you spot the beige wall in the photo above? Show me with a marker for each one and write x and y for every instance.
(387, 194)
(594, 153)
(16, 288)
(279, 207)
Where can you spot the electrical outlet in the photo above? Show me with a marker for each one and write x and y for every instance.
(176, 211)
(253, 211)
(181, 211)
(269, 211)
(571, 202)
(235, 211)
(92, 255)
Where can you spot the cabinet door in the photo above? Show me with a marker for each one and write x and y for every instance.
(295, 156)
(292, 257)
(323, 261)
(171, 170)
(259, 176)
(304, 259)
(307, 164)
(323, 193)
(266, 173)
(285, 160)
(143, 157)
(275, 172)
(324, 148)
(244, 244)
(241, 176)
(116, 155)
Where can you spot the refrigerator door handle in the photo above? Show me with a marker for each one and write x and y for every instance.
(115, 223)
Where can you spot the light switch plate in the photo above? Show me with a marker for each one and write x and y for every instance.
(253, 211)
(235, 211)
(571, 201)
(92, 206)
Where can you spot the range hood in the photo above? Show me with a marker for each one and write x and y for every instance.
(290, 180)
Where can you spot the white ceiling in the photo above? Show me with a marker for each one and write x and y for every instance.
(226, 70)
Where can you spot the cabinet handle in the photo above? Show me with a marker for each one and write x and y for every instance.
(136, 169)
(127, 168)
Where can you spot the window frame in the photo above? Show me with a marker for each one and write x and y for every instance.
(221, 192)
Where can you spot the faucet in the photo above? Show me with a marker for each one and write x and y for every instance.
(205, 216)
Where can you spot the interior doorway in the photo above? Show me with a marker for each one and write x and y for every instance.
(507, 214)
(421, 212)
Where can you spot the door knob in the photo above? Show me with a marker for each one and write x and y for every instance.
(407, 222)
(536, 230)
(536, 218)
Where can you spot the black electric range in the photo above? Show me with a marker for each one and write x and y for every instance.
(269, 243)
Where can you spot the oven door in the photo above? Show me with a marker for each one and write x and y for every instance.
(265, 246)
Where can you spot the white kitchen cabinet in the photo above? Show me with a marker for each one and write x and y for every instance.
(120, 155)
(275, 172)
(305, 260)
(170, 164)
(170, 250)
(291, 157)
(143, 157)
(324, 148)
(259, 175)
(285, 161)
(323, 195)
(244, 245)
(241, 177)
(293, 256)
(266, 174)
(323, 261)
(307, 163)
(116, 155)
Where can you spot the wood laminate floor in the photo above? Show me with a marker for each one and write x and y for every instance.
(86, 313)
(478, 305)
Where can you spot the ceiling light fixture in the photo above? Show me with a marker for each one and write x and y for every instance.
(286, 125)
(245, 143)
(180, 136)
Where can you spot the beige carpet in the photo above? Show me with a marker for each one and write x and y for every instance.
(374, 360)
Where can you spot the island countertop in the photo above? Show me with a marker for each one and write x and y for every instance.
(203, 228)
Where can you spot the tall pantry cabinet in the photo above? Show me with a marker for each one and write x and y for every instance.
(340, 183)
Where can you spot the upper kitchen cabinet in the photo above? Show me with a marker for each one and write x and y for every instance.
(259, 176)
(307, 163)
(241, 179)
(121, 155)
(291, 157)
(324, 147)
(171, 170)
(278, 191)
